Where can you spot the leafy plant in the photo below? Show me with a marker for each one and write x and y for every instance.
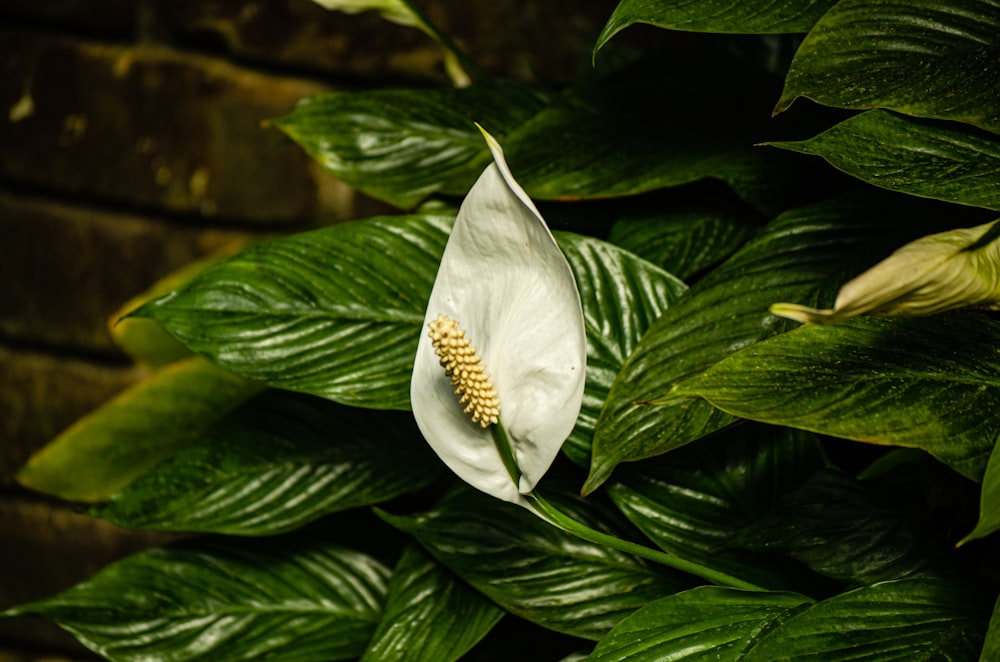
(754, 489)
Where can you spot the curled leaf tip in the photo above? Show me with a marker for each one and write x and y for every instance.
(940, 272)
(804, 314)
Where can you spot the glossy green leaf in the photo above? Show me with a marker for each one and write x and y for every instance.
(340, 309)
(430, 615)
(684, 240)
(615, 134)
(921, 57)
(127, 436)
(621, 296)
(989, 500)
(282, 599)
(277, 462)
(535, 570)
(907, 619)
(848, 530)
(403, 145)
(732, 16)
(929, 383)
(803, 255)
(929, 158)
(691, 502)
(915, 619)
(704, 623)
(625, 133)
(334, 312)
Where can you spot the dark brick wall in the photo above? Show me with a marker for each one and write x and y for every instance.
(150, 128)
(131, 143)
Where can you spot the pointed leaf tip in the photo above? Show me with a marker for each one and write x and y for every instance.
(804, 314)
(490, 140)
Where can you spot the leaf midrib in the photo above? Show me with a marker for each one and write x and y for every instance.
(334, 312)
(946, 376)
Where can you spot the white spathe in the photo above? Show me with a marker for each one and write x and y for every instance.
(939, 272)
(504, 280)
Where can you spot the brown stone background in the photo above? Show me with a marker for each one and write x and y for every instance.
(130, 144)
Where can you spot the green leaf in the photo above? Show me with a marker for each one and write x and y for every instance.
(282, 599)
(145, 340)
(989, 500)
(847, 530)
(991, 650)
(130, 434)
(625, 133)
(801, 256)
(404, 145)
(732, 16)
(894, 459)
(276, 463)
(922, 57)
(684, 240)
(610, 135)
(704, 623)
(403, 12)
(429, 614)
(535, 570)
(692, 501)
(907, 619)
(927, 383)
(395, 11)
(621, 296)
(340, 309)
(932, 159)
(335, 312)
(914, 619)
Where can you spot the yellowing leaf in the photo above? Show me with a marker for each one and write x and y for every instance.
(109, 448)
(144, 339)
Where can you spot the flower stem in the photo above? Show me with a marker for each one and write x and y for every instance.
(557, 518)
(506, 452)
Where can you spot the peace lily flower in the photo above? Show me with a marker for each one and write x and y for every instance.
(944, 271)
(503, 342)
(499, 374)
